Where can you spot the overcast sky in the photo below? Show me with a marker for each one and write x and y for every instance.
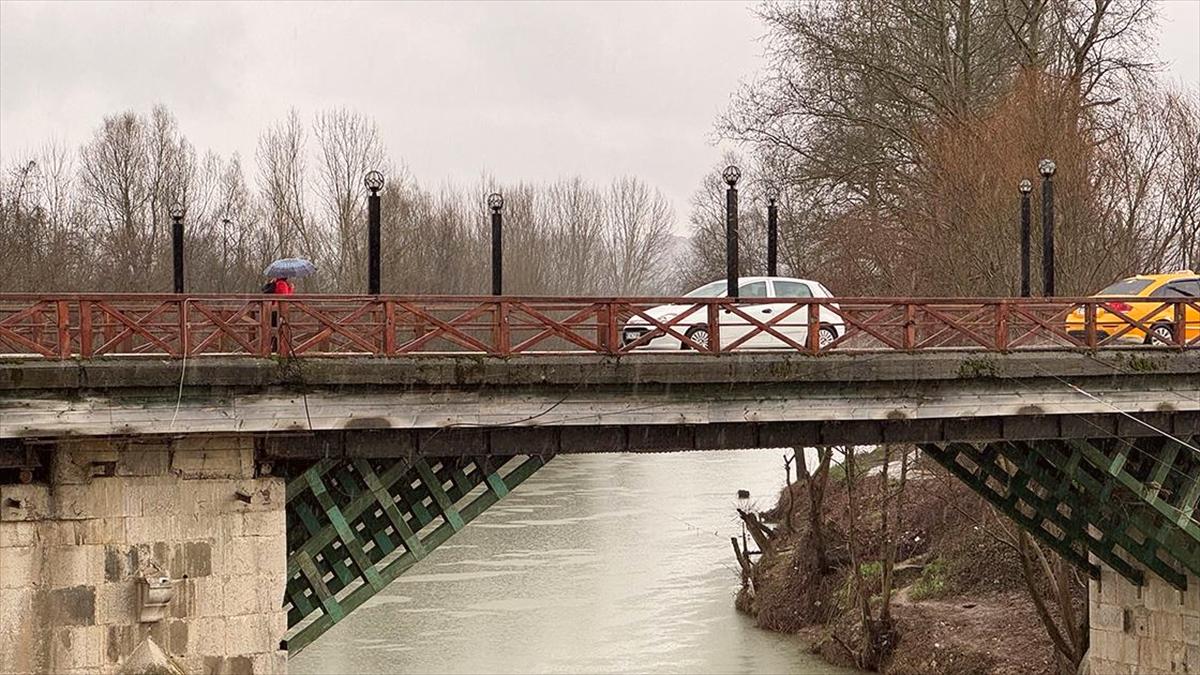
(524, 91)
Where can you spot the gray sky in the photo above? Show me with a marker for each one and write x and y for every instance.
(524, 91)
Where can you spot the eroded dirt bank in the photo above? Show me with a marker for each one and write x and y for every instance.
(960, 604)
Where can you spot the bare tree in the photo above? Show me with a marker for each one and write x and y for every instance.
(1095, 45)
(817, 481)
(893, 126)
(282, 176)
(20, 220)
(1071, 637)
(1149, 178)
(574, 215)
(435, 240)
(348, 147)
(878, 629)
(100, 219)
(638, 222)
(528, 265)
(131, 173)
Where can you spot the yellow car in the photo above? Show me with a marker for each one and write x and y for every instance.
(1160, 320)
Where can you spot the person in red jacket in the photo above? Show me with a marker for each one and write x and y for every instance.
(279, 286)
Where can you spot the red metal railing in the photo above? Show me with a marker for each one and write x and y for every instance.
(88, 326)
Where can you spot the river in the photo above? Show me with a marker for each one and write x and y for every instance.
(597, 563)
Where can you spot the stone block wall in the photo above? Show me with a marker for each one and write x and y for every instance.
(72, 551)
(1143, 630)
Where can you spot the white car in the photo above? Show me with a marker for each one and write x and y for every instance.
(732, 326)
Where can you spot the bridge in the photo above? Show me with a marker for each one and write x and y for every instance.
(278, 462)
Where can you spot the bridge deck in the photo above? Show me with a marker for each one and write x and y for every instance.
(574, 404)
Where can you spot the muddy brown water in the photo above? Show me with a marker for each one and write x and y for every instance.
(596, 564)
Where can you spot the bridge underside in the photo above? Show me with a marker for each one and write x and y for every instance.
(554, 440)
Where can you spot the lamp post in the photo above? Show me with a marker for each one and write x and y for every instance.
(731, 174)
(374, 182)
(1046, 167)
(495, 202)
(772, 236)
(177, 212)
(1025, 187)
(225, 223)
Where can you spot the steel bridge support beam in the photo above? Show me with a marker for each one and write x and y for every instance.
(1127, 503)
(355, 525)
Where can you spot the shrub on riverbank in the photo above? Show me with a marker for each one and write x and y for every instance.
(960, 604)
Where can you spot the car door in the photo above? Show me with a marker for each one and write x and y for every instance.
(733, 326)
(1185, 289)
(795, 325)
(1181, 288)
(1190, 290)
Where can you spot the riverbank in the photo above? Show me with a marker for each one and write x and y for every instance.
(960, 603)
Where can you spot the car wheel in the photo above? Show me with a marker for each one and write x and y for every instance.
(1161, 333)
(697, 334)
(826, 336)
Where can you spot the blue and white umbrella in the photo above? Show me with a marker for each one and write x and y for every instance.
(290, 268)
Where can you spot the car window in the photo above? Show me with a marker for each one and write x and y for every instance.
(792, 289)
(756, 289)
(1126, 287)
(712, 290)
(1188, 288)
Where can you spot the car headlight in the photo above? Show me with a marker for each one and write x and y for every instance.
(667, 317)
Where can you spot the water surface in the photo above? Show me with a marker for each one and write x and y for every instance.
(597, 563)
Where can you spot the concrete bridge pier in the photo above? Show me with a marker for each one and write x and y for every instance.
(1144, 630)
(192, 515)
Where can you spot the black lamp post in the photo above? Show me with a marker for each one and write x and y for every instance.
(374, 182)
(177, 212)
(772, 237)
(1046, 167)
(1025, 187)
(495, 202)
(731, 175)
(225, 223)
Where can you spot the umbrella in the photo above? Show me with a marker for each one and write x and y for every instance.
(290, 268)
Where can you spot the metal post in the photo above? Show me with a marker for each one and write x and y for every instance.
(1046, 167)
(225, 222)
(177, 212)
(731, 176)
(496, 203)
(772, 237)
(1025, 187)
(374, 182)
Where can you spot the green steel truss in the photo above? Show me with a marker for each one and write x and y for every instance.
(355, 525)
(1121, 500)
